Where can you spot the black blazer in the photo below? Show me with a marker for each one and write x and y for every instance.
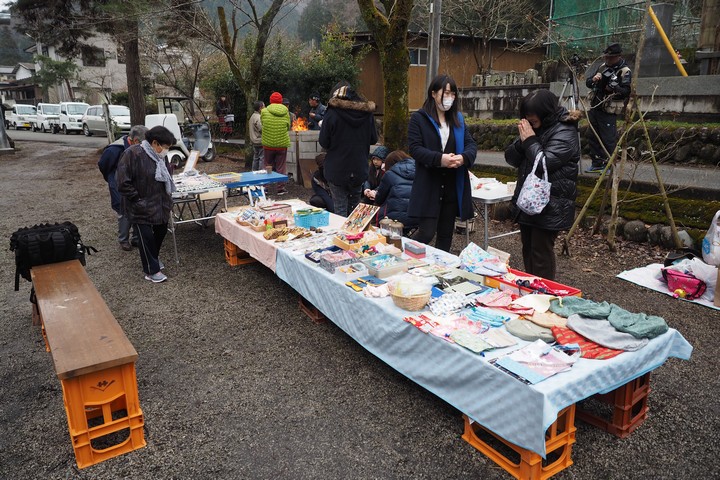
(426, 148)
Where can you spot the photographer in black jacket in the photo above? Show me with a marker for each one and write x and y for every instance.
(611, 88)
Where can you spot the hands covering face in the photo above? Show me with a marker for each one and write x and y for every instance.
(525, 130)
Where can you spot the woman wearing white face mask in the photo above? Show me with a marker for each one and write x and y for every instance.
(443, 150)
(146, 186)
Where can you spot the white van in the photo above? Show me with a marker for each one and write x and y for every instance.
(71, 116)
(47, 114)
(20, 116)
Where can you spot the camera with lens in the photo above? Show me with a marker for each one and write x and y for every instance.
(610, 78)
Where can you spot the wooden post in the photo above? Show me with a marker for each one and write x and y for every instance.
(716, 300)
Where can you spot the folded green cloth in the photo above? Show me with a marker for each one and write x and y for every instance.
(639, 325)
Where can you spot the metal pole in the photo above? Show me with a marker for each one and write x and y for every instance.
(667, 43)
(433, 63)
(4, 139)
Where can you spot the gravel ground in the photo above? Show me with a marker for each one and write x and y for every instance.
(235, 382)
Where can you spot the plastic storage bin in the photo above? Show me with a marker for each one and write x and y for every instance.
(312, 219)
(385, 265)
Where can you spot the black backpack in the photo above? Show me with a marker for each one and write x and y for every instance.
(46, 243)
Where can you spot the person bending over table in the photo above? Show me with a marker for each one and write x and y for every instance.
(549, 130)
(443, 150)
(145, 183)
(393, 193)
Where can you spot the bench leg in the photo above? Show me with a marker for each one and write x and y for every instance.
(104, 415)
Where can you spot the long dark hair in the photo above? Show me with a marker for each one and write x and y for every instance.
(439, 83)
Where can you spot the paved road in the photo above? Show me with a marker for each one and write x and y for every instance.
(73, 139)
(697, 177)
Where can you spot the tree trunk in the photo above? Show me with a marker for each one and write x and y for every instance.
(390, 35)
(395, 63)
(133, 74)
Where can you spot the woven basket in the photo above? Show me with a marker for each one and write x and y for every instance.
(412, 303)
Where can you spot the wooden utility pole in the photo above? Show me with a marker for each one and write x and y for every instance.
(433, 61)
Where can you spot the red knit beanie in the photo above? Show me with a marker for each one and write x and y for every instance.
(276, 97)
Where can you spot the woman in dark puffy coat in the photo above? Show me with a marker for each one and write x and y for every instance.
(393, 193)
(549, 130)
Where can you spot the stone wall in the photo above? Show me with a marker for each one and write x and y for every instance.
(302, 145)
(683, 145)
(691, 99)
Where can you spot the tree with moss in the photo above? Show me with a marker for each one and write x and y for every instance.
(389, 29)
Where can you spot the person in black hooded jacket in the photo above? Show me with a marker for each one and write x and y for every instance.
(551, 131)
(347, 131)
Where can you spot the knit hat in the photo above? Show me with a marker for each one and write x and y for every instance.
(315, 96)
(276, 97)
(381, 152)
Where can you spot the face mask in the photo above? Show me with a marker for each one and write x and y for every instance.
(447, 103)
(164, 152)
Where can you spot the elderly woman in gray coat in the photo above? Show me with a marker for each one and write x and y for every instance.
(549, 130)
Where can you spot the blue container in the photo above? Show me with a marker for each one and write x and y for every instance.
(312, 219)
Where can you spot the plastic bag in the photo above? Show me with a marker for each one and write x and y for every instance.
(535, 192)
(711, 242)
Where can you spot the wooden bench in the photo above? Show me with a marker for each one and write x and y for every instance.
(94, 361)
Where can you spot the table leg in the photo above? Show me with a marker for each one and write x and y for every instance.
(485, 226)
(172, 231)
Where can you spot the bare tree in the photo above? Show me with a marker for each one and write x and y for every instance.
(241, 35)
(178, 67)
(485, 20)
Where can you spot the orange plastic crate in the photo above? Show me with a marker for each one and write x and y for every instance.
(521, 463)
(104, 415)
(629, 405)
(235, 256)
(311, 311)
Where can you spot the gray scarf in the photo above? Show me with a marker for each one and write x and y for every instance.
(161, 171)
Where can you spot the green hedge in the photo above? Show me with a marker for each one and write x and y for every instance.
(678, 143)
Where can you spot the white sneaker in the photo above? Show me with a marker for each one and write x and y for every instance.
(156, 277)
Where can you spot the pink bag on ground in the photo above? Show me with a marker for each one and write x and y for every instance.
(692, 286)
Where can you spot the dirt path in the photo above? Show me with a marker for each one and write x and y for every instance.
(236, 383)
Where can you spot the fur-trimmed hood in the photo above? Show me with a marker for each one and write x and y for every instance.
(571, 116)
(344, 104)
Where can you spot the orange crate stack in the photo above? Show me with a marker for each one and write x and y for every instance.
(629, 405)
(104, 415)
(525, 464)
(235, 256)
